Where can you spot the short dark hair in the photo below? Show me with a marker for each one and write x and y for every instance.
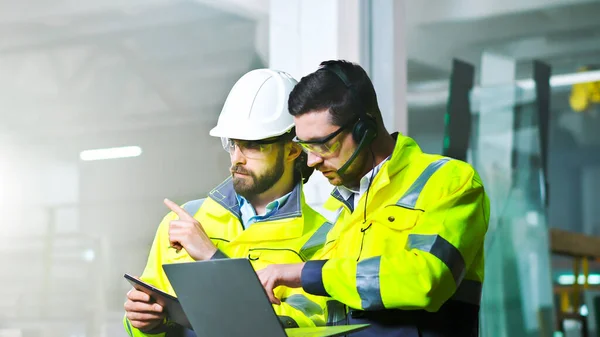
(324, 89)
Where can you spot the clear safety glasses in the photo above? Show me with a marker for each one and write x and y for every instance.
(251, 149)
(324, 146)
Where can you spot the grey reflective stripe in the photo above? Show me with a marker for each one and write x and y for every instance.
(292, 208)
(316, 241)
(129, 332)
(192, 207)
(224, 195)
(337, 195)
(442, 249)
(469, 291)
(303, 304)
(367, 283)
(409, 199)
(287, 322)
(336, 313)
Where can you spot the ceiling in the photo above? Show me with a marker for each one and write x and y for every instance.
(98, 67)
(563, 33)
(73, 69)
(82, 74)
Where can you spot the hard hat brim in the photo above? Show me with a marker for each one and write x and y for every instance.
(248, 133)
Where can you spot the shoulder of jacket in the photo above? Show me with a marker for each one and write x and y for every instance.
(193, 206)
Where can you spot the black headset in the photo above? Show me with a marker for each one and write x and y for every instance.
(365, 128)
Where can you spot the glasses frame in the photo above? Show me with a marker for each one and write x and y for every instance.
(306, 144)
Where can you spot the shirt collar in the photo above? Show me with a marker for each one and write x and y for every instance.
(271, 207)
(290, 207)
(347, 193)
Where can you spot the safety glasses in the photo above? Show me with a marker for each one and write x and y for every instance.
(324, 146)
(251, 149)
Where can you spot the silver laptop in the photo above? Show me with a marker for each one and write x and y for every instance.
(225, 298)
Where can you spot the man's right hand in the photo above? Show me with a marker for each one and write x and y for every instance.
(142, 313)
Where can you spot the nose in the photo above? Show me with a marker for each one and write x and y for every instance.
(237, 157)
(313, 159)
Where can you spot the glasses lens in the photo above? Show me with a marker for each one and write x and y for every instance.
(227, 144)
(250, 149)
(255, 150)
(321, 150)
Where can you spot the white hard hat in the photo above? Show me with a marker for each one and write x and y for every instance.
(257, 107)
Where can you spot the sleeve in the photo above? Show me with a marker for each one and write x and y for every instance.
(299, 309)
(440, 247)
(155, 275)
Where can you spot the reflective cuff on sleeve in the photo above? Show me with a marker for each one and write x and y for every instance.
(312, 278)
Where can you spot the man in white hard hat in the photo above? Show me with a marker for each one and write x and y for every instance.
(258, 212)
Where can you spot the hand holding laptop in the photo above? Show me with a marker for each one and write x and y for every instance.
(188, 233)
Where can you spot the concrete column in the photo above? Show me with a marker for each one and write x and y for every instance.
(303, 33)
(386, 59)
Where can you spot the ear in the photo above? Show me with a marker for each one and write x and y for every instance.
(294, 151)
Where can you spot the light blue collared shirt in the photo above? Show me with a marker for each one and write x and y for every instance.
(248, 212)
(348, 193)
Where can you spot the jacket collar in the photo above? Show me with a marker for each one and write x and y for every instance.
(225, 195)
(404, 151)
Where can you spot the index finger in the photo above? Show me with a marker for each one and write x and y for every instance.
(183, 215)
(271, 294)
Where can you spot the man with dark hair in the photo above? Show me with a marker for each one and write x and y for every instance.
(257, 213)
(406, 251)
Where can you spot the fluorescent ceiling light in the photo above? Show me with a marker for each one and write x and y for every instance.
(111, 153)
(89, 255)
(436, 92)
(569, 278)
(565, 79)
(574, 78)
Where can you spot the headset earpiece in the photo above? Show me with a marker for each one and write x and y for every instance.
(364, 127)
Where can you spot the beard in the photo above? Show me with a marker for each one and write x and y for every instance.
(254, 184)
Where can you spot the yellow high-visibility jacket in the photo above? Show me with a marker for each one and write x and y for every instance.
(292, 234)
(421, 244)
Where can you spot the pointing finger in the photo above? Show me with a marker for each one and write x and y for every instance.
(181, 213)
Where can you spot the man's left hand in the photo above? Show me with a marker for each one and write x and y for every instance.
(275, 275)
(188, 233)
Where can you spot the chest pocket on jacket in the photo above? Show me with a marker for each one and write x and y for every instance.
(390, 228)
(398, 218)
